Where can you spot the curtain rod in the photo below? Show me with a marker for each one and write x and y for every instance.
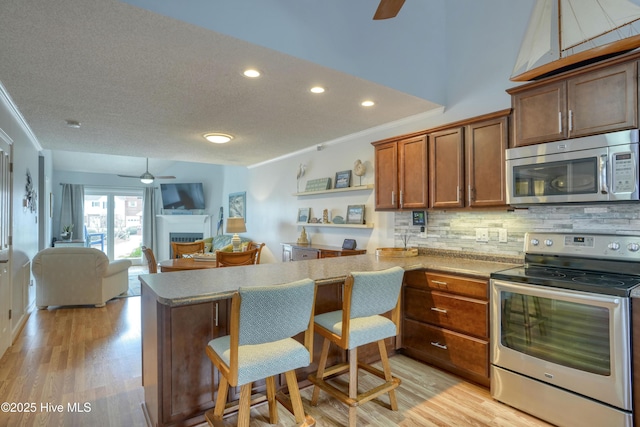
(109, 186)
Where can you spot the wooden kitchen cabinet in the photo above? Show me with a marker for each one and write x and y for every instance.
(401, 174)
(466, 165)
(446, 323)
(446, 168)
(589, 101)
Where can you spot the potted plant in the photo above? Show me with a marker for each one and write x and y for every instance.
(67, 232)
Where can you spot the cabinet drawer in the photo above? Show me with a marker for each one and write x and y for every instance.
(448, 347)
(475, 288)
(301, 254)
(462, 314)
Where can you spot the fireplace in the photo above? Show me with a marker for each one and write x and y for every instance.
(180, 228)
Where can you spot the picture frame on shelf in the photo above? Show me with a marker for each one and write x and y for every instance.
(303, 214)
(355, 214)
(343, 179)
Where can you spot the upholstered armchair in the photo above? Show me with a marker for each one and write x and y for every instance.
(77, 276)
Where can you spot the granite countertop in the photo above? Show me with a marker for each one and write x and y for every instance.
(193, 286)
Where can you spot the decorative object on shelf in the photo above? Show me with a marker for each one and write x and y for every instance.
(338, 219)
(349, 244)
(67, 232)
(303, 214)
(318, 184)
(419, 218)
(355, 214)
(325, 216)
(236, 225)
(30, 201)
(343, 179)
(303, 237)
(301, 171)
(238, 205)
(359, 169)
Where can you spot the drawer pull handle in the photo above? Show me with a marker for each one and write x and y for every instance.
(439, 283)
(437, 344)
(439, 310)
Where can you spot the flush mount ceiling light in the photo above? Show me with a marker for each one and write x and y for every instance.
(317, 89)
(74, 124)
(218, 138)
(368, 103)
(252, 73)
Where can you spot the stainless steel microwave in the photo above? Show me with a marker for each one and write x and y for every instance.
(598, 168)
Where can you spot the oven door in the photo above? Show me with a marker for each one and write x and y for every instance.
(573, 340)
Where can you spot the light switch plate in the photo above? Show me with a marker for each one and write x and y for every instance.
(502, 235)
(482, 234)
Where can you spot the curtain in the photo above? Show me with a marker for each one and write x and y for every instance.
(149, 223)
(72, 208)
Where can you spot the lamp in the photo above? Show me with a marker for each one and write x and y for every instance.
(236, 225)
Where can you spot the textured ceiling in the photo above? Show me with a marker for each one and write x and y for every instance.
(146, 85)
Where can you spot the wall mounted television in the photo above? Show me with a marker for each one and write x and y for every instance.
(182, 196)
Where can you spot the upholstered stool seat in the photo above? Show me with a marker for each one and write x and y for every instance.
(260, 346)
(367, 295)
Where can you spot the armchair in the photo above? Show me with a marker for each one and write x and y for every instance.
(77, 276)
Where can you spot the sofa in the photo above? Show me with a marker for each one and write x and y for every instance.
(77, 276)
(222, 242)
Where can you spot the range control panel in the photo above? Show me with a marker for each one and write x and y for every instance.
(605, 246)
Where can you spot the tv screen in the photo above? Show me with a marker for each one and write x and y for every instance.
(182, 196)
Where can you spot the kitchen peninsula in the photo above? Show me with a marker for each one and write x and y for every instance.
(182, 311)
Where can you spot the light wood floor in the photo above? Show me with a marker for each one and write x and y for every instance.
(92, 355)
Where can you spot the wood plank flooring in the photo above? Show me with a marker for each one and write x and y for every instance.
(91, 356)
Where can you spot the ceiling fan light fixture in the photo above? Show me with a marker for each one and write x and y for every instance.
(218, 138)
(146, 178)
(251, 73)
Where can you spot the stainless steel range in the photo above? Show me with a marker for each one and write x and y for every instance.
(561, 329)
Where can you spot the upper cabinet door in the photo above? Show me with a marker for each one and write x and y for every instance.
(540, 114)
(412, 172)
(386, 176)
(446, 168)
(485, 145)
(604, 100)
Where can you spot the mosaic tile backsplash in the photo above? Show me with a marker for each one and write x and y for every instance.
(456, 230)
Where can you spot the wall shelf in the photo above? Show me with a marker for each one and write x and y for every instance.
(320, 224)
(336, 190)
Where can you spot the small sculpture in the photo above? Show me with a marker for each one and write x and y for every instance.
(359, 169)
(303, 237)
(325, 216)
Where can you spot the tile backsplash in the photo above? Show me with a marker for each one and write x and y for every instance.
(456, 230)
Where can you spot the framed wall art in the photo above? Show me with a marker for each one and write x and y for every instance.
(303, 214)
(238, 205)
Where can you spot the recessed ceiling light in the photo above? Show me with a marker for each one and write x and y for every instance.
(73, 124)
(251, 73)
(317, 89)
(368, 103)
(218, 138)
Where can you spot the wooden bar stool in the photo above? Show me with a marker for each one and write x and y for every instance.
(260, 345)
(367, 295)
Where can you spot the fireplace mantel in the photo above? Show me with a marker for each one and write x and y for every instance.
(179, 224)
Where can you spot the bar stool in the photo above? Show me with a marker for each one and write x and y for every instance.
(260, 345)
(367, 295)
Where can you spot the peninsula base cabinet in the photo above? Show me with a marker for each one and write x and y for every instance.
(446, 323)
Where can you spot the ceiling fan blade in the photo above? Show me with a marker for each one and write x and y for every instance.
(130, 176)
(388, 9)
(165, 177)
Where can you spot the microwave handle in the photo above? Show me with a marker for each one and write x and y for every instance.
(604, 188)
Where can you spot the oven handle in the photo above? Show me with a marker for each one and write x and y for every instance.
(604, 188)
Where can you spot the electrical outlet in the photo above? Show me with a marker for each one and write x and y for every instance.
(482, 234)
(502, 235)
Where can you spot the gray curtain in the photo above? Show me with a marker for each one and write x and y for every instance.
(149, 219)
(72, 209)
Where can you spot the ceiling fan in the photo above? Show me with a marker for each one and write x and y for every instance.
(388, 9)
(147, 178)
